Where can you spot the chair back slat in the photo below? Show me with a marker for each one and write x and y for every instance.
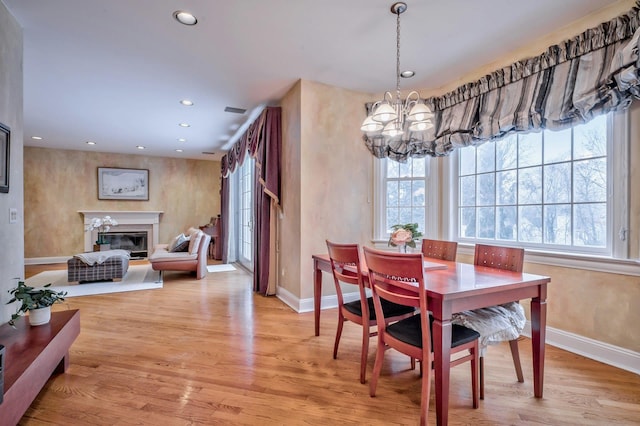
(438, 249)
(397, 277)
(397, 294)
(344, 256)
(505, 258)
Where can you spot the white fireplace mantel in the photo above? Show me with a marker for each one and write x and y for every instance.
(127, 220)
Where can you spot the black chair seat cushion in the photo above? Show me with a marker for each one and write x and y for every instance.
(409, 330)
(390, 309)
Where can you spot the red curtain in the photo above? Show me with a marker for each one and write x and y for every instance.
(262, 141)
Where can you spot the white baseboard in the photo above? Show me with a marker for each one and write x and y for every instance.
(599, 351)
(306, 305)
(590, 348)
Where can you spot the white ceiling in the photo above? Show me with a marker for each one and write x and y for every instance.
(114, 71)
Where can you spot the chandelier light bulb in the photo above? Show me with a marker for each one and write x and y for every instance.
(420, 126)
(384, 113)
(369, 125)
(419, 112)
(393, 130)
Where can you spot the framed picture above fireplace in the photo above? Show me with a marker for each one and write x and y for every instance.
(123, 184)
(4, 158)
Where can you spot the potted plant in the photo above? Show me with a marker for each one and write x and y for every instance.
(404, 235)
(36, 301)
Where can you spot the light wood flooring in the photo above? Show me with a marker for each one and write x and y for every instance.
(212, 352)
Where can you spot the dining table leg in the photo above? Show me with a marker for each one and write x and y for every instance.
(538, 336)
(441, 330)
(317, 294)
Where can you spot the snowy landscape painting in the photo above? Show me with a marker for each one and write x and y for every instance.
(123, 184)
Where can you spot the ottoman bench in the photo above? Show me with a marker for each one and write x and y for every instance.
(98, 266)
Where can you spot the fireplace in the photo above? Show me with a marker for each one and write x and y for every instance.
(134, 242)
(129, 223)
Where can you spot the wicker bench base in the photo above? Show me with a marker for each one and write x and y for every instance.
(114, 268)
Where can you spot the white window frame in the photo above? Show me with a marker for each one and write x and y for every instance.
(618, 181)
(380, 235)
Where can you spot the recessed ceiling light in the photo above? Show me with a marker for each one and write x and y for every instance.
(186, 102)
(182, 139)
(184, 125)
(178, 150)
(90, 143)
(140, 147)
(185, 17)
(407, 74)
(36, 138)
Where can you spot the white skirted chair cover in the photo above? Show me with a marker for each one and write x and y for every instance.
(500, 323)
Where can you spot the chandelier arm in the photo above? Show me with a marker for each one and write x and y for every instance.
(417, 99)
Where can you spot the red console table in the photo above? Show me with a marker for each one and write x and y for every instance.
(32, 355)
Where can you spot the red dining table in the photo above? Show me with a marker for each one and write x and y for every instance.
(455, 287)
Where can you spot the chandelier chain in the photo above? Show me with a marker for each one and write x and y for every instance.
(398, 55)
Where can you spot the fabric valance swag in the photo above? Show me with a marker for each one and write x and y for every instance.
(591, 74)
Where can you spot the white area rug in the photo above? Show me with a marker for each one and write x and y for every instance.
(225, 267)
(138, 277)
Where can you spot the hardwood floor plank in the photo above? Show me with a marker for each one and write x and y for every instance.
(212, 352)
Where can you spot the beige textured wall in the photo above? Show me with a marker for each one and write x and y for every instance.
(326, 179)
(58, 183)
(289, 219)
(11, 241)
(336, 175)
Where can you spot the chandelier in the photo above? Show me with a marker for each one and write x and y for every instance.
(395, 119)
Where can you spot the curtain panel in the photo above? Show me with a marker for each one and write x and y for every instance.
(591, 74)
(262, 141)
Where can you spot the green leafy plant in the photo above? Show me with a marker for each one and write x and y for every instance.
(32, 298)
(404, 235)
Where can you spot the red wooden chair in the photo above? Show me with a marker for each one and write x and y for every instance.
(438, 249)
(497, 323)
(345, 264)
(399, 278)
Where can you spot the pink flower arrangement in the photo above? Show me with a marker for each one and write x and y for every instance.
(404, 235)
(401, 237)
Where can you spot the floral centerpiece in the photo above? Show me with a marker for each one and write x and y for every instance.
(102, 225)
(404, 235)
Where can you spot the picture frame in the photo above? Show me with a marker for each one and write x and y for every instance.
(5, 144)
(123, 184)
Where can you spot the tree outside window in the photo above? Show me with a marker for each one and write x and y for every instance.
(547, 188)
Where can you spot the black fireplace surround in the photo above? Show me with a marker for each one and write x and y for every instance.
(134, 242)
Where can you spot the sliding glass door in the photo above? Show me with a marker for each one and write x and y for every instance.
(245, 223)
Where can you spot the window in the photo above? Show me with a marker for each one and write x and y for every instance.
(403, 195)
(245, 212)
(548, 190)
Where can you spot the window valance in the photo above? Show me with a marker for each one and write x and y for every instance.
(593, 73)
